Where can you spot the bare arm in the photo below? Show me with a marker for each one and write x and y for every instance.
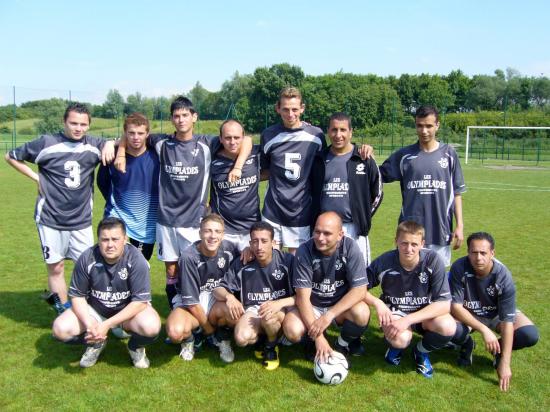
(462, 314)
(303, 303)
(22, 168)
(198, 313)
(504, 370)
(246, 148)
(271, 307)
(80, 308)
(383, 312)
(235, 307)
(120, 160)
(458, 233)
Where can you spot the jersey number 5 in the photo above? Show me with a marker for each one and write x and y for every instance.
(292, 171)
(73, 181)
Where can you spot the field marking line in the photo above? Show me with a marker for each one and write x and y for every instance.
(510, 184)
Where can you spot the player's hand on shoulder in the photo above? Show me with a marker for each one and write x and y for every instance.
(366, 151)
(323, 349)
(247, 255)
(120, 164)
(108, 152)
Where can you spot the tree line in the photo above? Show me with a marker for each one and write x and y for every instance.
(373, 101)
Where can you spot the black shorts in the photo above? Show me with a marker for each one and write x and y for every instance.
(146, 249)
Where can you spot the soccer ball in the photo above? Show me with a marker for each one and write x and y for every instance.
(333, 371)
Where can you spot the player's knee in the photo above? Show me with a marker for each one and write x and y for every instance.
(150, 327)
(244, 337)
(56, 269)
(401, 341)
(360, 314)
(293, 330)
(177, 331)
(62, 330)
(443, 325)
(525, 337)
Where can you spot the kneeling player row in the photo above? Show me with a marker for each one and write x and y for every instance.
(278, 296)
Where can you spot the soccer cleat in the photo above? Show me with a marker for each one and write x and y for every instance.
(259, 347)
(187, 350)
(271, 357)
(226, 353)
(120, 333)
(466, 352)
(139, 358)
(198, 337)
(53, 300)
(309, 350)
(344, 350)
(423, 364)
(356, 348)
(393, 356)
(283, 340)
(91, 355)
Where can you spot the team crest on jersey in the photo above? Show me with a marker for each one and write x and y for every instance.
(249, 161)
(443, 162)
(423, 277)
(195, 152)
(221, 262)
(360, 169)
(491, 290)
(123, 274)
(277, 274)
(338, 264)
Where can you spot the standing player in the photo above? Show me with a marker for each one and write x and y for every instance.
(484, 299)
(346, 184)
(431, 184)
(237, 202)
(287, 154)
(415, 297)
(201, 267)
(63, 215)
(330, 282)
(183, 184)
(133, 196)
(110, 287)
(266, 294)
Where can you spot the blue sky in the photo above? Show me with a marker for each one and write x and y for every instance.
(165, 47)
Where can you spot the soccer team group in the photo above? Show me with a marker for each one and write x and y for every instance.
(227, 276)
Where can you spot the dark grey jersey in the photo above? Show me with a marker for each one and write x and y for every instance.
(110, 288)
(487, 297)
(66, 176)
(407, 291)
(335, 193)
(199, 273)
(238, 203)
(183, 179)
(429, 183)
(289, 155)
(258, 284)
(329, 277)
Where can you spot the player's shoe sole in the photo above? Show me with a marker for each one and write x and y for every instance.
(423, 364)
(271, 358)
(226, 352)
(187, 352)
(465, 356)
(393, 356)
(91, 354)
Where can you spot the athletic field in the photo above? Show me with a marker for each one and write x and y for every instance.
(38, 373)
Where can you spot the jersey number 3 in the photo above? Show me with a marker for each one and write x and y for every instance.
(73, 181)
(292, 171)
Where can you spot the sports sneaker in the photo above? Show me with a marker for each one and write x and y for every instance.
(393, 356)
(423, 364)
(198, 337)
(466, 352)
(226, 353)
(139, 358)
(356, 348)
(283, 340)
(187, 350)
(259, 347)
(271, 357)
(344, 350)
(91, 355)
(120, 333)
(53, 300)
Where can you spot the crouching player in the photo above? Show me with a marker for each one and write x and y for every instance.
(415, 297)
(110, 287)
(484, 299)
(329, 276)
(200, 269)
(265, 291)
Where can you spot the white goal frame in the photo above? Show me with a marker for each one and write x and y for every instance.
(496, 127)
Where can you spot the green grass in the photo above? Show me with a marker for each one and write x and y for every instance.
(39, 373)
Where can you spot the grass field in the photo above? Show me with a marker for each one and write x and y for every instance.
(39, 373)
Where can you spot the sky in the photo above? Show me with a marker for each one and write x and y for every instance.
(161, 48)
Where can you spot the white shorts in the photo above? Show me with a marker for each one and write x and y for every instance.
(62, 244)
(172, 241)
(289, 236)
(442, 250)
(351, 230)
(242, 240)
(206, 300)
(492, 323)
(319, 311)
(93, 313)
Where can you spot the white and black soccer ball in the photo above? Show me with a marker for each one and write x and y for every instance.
(333, 371)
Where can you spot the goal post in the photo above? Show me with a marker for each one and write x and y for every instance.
(497, 127)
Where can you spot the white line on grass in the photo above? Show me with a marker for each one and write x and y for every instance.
(511, 184)
(504, 189)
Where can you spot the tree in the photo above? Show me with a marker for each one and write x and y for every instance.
(51, 121)
(434, 91)
(459, 86)
(114, 104)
